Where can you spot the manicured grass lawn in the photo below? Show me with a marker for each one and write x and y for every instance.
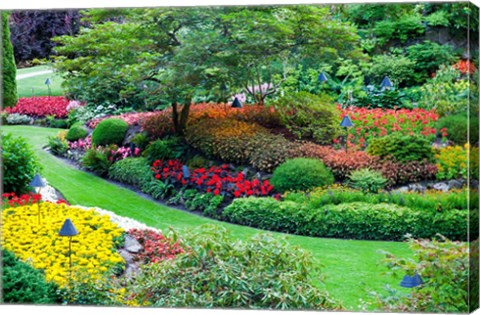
(350, 267)
(24, 86)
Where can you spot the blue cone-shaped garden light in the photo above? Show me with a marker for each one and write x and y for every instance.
(236, 103)
(386, 83)
(322, 77)
(186, 172)
(346, 122)
(37, 182)
(411, 281)
(68, 229)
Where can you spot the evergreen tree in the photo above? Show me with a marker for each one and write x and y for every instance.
(9, 70)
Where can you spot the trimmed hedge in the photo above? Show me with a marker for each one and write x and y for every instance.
(9, 73)
(110, 131)
(133, 171)
(77, 131)
(301, 174)
(355, 220)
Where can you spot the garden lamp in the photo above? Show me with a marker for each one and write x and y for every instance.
(346, 123)
(186, 173)
(411, 282)
(68, 229)
(37, 183)
(236, 103)
(47, 83)
(322, 77)
(386, 83)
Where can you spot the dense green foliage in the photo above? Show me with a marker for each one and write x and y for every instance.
(165, 149)
(19, 164)
(301, 174)
(403, 148)
(356, 220)
(96, 160)
(133, 171)
(76, 131)
(309, 116)
(109, 131)
(9, 69)
(457, 126)
(444, 268)
(220, 271)
(367, 180)
(57, 146)
(23, 284)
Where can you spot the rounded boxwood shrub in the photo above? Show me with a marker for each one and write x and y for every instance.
(110, 131)
(301, 174)
(402, 148)
(77, 131)
(19, 164)
(21, 283)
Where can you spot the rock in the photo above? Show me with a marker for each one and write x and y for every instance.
(132, 245)
(455, 184)
(126, 256)
(402, 189)
(417, 188)
(441, 186)
(474, 184)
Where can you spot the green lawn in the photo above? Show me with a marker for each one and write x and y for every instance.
(37, 83)
(350, 267)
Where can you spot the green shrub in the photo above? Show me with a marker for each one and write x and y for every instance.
(197, 161)
(19, 164)
(401, 29)
(9, 69)
(356, 220)
(57, 146)
(457, 128)
(23, 284)
(444, 268)
(77, 131)
(367, 180)
(132, 171)
(207, 203)
(261, 273)
(109, 131)
(402, 148)
(309, 116)
(166, 149)
(158, 189)
(301, 174)
(397, 67)
(140, 140)
(96, 160)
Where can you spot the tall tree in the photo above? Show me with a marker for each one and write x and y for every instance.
(9, 69)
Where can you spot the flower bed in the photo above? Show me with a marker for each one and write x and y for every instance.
(370, 123)
(156, 246)
(219, 180)
(130, 118)
(41, 106)
(39, 243)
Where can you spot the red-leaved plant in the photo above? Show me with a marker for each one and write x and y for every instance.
(156, 247)
(41, 106)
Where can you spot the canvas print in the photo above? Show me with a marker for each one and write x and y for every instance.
(319, 157)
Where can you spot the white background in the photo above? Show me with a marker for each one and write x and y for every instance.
(52, 4)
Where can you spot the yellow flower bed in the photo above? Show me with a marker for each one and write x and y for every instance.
(452, 161)
(93, 249)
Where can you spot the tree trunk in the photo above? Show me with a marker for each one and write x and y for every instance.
(180, 119)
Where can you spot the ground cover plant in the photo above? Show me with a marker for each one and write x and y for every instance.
(41, 106)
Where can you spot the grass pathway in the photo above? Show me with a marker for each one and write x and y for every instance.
(350, 267)
(31, 82)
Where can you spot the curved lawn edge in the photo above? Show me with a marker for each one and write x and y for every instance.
(351, 267)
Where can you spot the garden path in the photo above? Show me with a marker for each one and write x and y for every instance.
(34, 74)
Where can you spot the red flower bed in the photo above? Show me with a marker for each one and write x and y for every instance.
(218, 180)
(41, 106)
(26, 199)
(377, 122)
(156, 246)
(130, 118)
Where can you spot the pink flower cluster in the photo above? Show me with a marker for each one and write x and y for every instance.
(130, 118)
(120, 153)
(80, 144)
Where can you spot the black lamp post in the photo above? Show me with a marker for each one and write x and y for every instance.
(236, 103)
(386, 83)
(346, 123)
(411, 281)
(37, 183)
(68, 229)
(47, 83)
